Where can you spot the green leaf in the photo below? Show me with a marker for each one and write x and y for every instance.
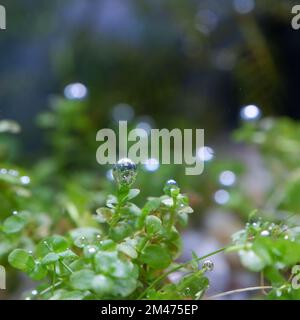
(182, 218)
(105, 262)
(120, 231)
(6, 247)
(251, 260)
(168, 202)
(39, 272)
(123, 269)
(168, 292)
(153, 224)
(102, 285)
(128, 249)
(132, 194)
(103, 215)
(151, 205)
(54, 243)
(68, 254)
(82, 280)
(88, 233)
(131, 210)
(195, 261)
(282, 251)
(274, 276)
(262, 249)
(186, 210)
(124, 287)
(13, 224)
(111, 201)
(156, 256)
(50, 258)
(21, 260)
(107, 244)
(108, 263)
(193, 285)
(68, 295)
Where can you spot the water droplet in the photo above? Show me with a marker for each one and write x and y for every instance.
(221, 196)
(227, 178)
(243, 6)
(34, 292)
(171, 187)
(265, 233)
(205, 154)
(151, 164)
(14, 173)
(75, 91)
(278, 293)
(250, 113)
(98, 237)
(125, 172)
(208, 265)
(81, 242)
(206, 21)
(122, 112)
(286, 237)
(92, 250)
(15, 213)
(25, 180)
(145, 126)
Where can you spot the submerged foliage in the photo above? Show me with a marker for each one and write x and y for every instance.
(123, 256)
(124, 250)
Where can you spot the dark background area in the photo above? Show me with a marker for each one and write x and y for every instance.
(184, 63)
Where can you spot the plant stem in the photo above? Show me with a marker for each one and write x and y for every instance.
(172, 213)
(66, 266)
(226, 293)
(120, 203)
(50, 288)
(163, 276)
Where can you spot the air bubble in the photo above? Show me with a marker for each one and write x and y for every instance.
(25, 180)
(75, 91)
(208, 265)
(227, 178)
(125, 172)
(265, 233)
(81, 242)
(171, 187)
(250, 113)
